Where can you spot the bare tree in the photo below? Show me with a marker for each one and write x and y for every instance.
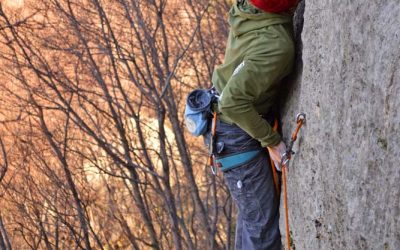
(100, 87)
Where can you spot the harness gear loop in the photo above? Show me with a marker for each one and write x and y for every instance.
(211, 149)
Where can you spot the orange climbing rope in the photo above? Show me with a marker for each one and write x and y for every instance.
(274, 173)
(285, 206)
(300, 119)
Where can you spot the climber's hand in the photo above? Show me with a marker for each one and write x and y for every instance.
(276, 153)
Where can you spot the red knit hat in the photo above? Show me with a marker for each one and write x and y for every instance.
(274, 6)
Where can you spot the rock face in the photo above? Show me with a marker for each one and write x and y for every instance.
(344, 181)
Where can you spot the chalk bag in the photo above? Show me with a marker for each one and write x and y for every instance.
(197, 111)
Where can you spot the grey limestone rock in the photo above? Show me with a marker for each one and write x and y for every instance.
(344, 181)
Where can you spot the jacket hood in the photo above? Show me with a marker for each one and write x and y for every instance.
(242, 22)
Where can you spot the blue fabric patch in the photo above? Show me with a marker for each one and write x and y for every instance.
(232, 161)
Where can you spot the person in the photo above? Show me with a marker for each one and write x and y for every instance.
(259, 53)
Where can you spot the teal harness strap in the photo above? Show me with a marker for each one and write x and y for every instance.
(232, 161)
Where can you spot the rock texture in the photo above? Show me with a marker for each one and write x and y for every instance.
(344, 182)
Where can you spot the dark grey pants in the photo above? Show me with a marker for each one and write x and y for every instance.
(252, 188)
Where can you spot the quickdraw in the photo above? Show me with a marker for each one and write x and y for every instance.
(300, 119)
(211, 149)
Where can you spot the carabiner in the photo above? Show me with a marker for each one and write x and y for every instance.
(214, 170)
(301, 117)
(285, 159)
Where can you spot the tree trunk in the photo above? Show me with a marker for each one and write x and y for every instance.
(4, 240)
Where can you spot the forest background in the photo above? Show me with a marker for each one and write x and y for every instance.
(94, 153)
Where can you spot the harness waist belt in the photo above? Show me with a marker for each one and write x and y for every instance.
(235, 160)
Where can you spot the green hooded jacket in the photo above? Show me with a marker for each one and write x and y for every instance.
(259, 53)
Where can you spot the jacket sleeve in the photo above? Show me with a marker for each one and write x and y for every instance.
(254, 82)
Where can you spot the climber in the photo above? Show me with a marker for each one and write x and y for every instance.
(259, 53)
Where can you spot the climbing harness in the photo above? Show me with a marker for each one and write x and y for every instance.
(300, 119)
(225, 162)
